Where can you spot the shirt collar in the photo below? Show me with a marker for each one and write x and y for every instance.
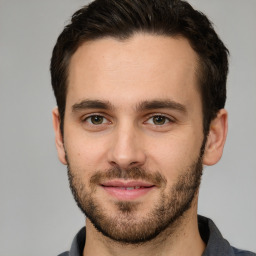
(215, 243)
(78, 243)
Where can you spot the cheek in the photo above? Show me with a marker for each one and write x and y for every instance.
(84, 151)
(173, 155)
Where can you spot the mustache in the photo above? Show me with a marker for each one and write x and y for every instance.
(134, 173)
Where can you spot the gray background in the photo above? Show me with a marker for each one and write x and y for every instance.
(37, 213)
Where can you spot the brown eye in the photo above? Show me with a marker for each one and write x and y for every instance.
(159, 120)
(96, 119)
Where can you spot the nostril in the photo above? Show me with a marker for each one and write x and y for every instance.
(124, 166)
(113, 163)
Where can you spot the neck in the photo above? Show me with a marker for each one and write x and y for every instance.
(181, 239)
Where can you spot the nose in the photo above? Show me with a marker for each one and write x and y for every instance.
(126, 149)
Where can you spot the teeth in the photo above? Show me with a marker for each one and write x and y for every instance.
(129, 188)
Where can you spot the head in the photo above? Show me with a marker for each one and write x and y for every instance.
(140, 87)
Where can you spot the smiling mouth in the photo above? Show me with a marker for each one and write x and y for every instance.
(127, 190)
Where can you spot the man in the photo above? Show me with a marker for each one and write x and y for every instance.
(140, 87)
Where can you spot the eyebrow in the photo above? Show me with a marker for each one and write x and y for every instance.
(89, 104)
(160, 104)
(140, 107)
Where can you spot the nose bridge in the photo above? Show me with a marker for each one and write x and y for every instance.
(126, 150)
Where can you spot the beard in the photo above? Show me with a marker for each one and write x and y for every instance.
(125, 226)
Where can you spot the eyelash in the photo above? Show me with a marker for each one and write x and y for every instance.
(168, 119)
(85, 119)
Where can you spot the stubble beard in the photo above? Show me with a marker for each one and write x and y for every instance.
(122, 226)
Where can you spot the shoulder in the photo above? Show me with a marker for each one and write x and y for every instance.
(239, 252)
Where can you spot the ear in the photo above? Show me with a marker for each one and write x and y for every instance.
(216, 138)
(58, 136)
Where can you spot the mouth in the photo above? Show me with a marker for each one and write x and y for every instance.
(129, 190)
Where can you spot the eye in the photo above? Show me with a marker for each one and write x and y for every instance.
(158, 120)
(96, 120)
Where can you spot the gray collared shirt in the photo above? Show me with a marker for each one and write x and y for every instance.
(216, 245)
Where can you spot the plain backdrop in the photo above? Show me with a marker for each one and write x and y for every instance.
(38, 215)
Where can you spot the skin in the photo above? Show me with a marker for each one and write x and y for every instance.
(126, 73)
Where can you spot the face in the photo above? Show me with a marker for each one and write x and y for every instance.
(133, 134)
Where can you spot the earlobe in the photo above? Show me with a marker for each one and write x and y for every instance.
(58, 136)
(216, 138)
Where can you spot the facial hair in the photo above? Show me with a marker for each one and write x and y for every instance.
(123, 227)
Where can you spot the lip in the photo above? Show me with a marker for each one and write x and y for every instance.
(127, 190)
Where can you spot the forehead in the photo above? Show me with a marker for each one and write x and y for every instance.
(143, 66)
